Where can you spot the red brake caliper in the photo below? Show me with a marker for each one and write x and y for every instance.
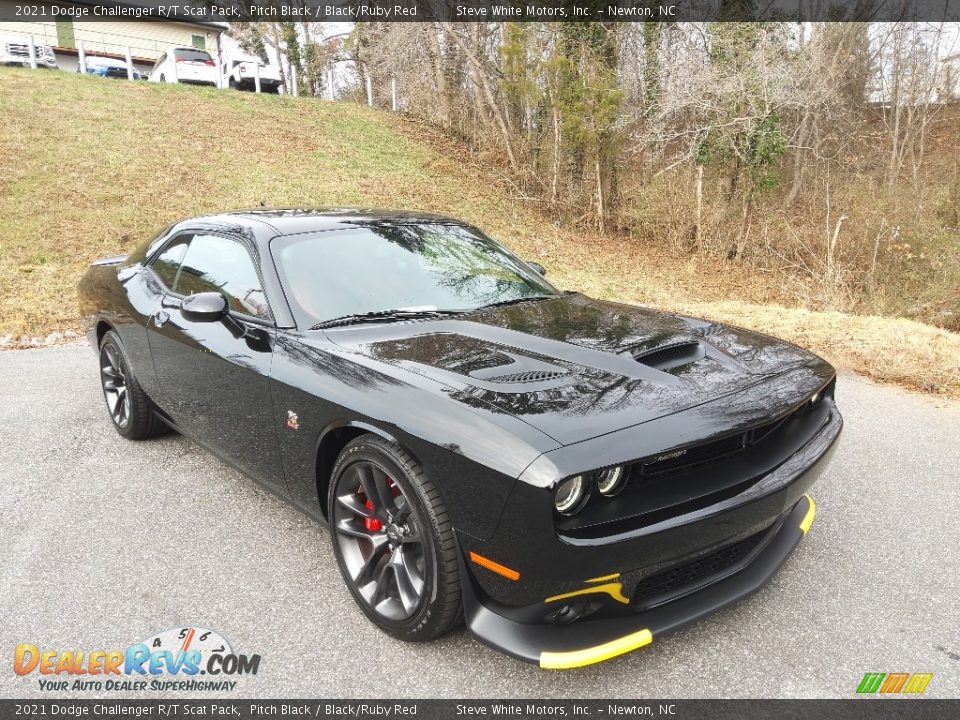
(371, 523)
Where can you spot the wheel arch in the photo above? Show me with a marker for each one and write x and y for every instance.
(331, 443)
(102, 328)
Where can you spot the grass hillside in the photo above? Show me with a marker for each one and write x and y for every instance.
(91, 167)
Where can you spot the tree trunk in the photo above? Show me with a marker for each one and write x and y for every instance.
(494, 107)
(601, 205)
(557, 139)
(439, 74)
(798, 159)
(698, 234)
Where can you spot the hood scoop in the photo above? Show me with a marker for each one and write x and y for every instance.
(671, 355)
(518, 370)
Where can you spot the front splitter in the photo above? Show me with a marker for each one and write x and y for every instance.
(592, 641)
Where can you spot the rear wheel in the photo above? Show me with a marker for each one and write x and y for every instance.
(394, 541)
(130, 409)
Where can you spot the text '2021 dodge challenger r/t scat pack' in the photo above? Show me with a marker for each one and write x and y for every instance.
(571, 478)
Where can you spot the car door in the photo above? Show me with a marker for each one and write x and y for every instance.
(214, 377)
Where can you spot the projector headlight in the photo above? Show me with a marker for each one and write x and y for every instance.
(611, 481)
(571, 495)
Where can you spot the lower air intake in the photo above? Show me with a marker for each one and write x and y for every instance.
(703, 571)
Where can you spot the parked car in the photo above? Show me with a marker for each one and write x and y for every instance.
(241, 73)
(572, 477)
(16, 51)
(109, 67)
(185, 65)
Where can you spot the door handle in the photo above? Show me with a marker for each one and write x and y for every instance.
(160, 318)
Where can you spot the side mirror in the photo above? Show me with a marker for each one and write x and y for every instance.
(538, 267)
(204, 307)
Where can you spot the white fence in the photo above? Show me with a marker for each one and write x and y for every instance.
(84, 49)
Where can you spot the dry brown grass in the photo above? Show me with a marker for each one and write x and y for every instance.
(91, 167)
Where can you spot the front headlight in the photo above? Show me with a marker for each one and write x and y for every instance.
(611, 481)
(571, 495)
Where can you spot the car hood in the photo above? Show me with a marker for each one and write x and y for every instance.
(576, 368)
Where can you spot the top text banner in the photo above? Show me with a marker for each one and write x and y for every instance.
(486, 10)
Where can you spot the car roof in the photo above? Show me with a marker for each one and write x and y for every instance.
(291, 221)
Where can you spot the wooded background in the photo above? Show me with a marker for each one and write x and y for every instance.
(824, 154)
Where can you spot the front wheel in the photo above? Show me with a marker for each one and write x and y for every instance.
(130, 409)
(394, 540)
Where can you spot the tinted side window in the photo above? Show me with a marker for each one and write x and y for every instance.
(167, 263)
(218, 264)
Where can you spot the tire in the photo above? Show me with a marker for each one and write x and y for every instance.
(163, 78)
(130, 410)
(390, 529)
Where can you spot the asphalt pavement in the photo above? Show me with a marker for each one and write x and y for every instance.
(104, 542)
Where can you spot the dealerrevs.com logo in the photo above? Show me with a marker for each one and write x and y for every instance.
(187, 659)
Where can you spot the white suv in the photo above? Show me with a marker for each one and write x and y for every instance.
(16, 51)
(185, 65)
(240, 73)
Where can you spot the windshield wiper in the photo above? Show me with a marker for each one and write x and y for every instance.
(382, 316)
(516, 301)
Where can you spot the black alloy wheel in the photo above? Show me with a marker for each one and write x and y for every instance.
(114, 382)
(130, 409)
(393, 540)
(380, 542)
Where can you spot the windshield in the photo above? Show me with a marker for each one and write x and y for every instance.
(400, 267)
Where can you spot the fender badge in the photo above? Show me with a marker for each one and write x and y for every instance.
(293, 422)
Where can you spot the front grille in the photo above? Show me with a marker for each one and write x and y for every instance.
(685, 459)
(18, 50)
(116, 72)
(690, 576)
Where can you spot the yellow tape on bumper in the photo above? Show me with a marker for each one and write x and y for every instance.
(808, 518)
(614, 590)
(598, 653)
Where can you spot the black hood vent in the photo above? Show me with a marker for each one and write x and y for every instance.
(671, 355)
(530, 376)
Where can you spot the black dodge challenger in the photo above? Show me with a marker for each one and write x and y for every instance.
(571, 478)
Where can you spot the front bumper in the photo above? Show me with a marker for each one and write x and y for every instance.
(593, 640)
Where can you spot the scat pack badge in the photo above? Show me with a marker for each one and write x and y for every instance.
(172, 660)
(293, 422)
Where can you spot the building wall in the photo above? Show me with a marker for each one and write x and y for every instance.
(950, 79)
(146, 39)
